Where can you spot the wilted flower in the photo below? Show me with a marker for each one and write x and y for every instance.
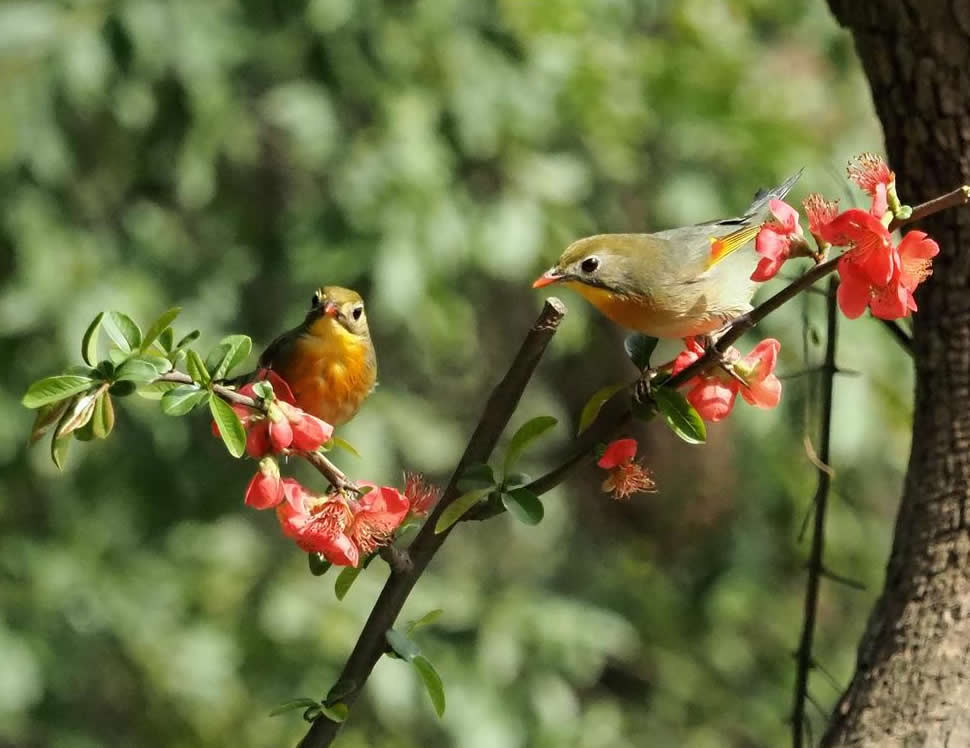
(421, 494)
(626, 477)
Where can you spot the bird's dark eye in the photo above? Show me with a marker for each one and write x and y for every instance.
(315, 300)
(358, 310)
(590, 264)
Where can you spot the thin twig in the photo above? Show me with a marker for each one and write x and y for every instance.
(372, 643)
(820, 501)
(327, 469)
(226, 393)
(900, 335)
(959, 196)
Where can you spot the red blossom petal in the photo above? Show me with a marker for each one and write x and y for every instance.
(296, 495)
(713, 398)
(854, 290)
(421, 494)
(265, 490)
(379, 512)
(257, 439)
(786, 215)
(820, 212)
(310, 433)
(688, 356)
(764, 393)
(892, 301)
(280, 434)
(280, 388)
(760, 363)
(767, 269)
(870, 171)
(617, 453)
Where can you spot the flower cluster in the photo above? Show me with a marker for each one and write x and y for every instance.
(713, 393)
(626, 477)
(282, 425)
(875, 273)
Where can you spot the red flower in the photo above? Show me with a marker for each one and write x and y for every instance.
(283, 425)
(341, 529)
(870, 246)
(421, 494)
(713, 394)
(873, 175)
(778, 240)
(820, 213)
(377, 515)
(626, 477)
(265, 490)
(893, 299)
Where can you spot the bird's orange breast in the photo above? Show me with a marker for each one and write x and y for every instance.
(330, 371)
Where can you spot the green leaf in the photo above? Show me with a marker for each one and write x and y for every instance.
(137, 370)
(639, 348)
(595, 404)
(166, 339)
(528, 432)
(289, 706)
(228, 354)
(516, 480)
(348, 575)
(432, 682)
(459, 507)
(197, 369)
(89, 342)
(117, 356)
(680, 415)
(103, 419)
(182, 399)
(344, 445)
(123, 389)
(524, 505)
(475, 477)
(158, 327)
(340, 690)
(123, 331)
(318, 564)
(47, 416)
(335, 713)
(230, 427)
(426, 620)
(161, 363)
(52, 389)
(402, 646)
(59, 448)
(86, 432)
(190, 338)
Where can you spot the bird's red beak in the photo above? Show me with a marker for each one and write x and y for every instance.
(547, 278)
(330, 309)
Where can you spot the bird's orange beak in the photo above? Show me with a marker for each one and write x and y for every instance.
(330, 309)
(547, 278)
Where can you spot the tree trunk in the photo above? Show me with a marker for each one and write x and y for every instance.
(912, 681)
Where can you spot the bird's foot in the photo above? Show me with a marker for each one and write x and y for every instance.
(643, 389)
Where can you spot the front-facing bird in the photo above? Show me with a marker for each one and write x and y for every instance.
(329, 360)
(672, 284)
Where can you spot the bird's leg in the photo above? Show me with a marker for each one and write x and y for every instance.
(642, 390)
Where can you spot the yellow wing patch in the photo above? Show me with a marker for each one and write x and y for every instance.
(723, 246)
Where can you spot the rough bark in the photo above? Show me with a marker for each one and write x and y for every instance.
(912, 682)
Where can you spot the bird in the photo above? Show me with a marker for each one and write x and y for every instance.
(679, 283)
(328, 360)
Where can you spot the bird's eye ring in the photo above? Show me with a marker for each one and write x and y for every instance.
(358, 310)
(315, 300)
(590, 264)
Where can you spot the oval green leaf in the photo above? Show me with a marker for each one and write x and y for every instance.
(345, 580)
(318, 564)
(639, 348)
(459, 507)
(230, 427)
(89, 342)
(595, 404)
(103, 420)
(426, 620)
(403, 647)
(77, 415)
(136, 370)
(158, 327)
(228, 354)
(528, 432)
(156, 390)
(52, 389)
(345, 445)
(47, 416)
(289, 706)
(336, 712)
(182, 399)
(476, 476)
(432, 682)
(197, 369)
(680, 415)
(123, 331)
(191, 337)
(524, 505)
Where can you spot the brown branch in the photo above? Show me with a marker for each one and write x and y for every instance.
(959, 196)
(327, 469)
(498, 410)
(816, 569)
(226, 393)
(900, 335)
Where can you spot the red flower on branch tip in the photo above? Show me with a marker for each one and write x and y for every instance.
(265, 490)
(820, 213)
(283, 425)
(626, 477)
(421, 494)
(778, 240)
(340, 528)
(871, 250)
(713, 394)
(893, 299)
(875, 178)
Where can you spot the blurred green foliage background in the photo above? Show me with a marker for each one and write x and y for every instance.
(436, 155)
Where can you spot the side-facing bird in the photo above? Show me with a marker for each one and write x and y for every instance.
(672, 284)
(329, 360)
